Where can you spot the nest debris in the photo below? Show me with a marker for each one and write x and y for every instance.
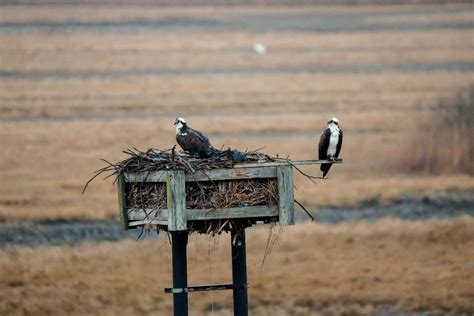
(207, 195)
(199, 195)
(156, 160)
(232, 193)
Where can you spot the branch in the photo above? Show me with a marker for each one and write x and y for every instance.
(304, 209)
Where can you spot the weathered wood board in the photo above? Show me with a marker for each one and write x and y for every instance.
(286, 208)
(176, 200)
(161, 217)
(211, 175)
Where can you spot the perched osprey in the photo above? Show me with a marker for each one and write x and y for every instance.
(330, 144)
(192, 141)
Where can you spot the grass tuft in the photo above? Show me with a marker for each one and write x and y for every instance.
(445, 145)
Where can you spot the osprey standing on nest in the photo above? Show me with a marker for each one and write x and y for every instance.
(330, 144)
(192, 141)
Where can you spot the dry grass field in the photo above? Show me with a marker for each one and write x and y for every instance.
(346, 269)
(83, 83)
(79, 83)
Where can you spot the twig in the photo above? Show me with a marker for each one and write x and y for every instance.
(304, 209)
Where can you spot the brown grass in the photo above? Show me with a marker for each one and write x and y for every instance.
(53, 130)
(445, 145)
(43, 177)
(94, 13)
(328, 269)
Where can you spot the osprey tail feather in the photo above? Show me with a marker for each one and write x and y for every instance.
(325, 168)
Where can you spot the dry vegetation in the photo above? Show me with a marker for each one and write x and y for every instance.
(313, 270)
(446, 145)
(70, 97)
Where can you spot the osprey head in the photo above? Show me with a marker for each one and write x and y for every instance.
(334, 121)
(179, 123)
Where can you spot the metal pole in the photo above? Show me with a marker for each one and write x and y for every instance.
(180, 273)
(239, 273)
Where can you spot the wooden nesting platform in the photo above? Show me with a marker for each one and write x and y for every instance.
(175, 215)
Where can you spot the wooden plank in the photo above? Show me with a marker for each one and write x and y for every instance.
(176, 200)
(204, 214)
(233, 174)
(214, 175)
(149, 176)
(313, 162)
(284, 163)
(139, 214)
(285, 195)
(122, 202)
(240, 171)
(235, 212)
(148, 222)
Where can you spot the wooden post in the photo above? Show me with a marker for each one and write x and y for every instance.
(176, 200)
(122, 201)
(286, 207)
(239, 273)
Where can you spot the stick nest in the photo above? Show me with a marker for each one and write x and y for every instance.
(156, 160)
(199, 195)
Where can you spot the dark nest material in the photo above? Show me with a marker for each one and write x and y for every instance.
(232, 193)
(156, 160)
(209, 195)
(146, 196)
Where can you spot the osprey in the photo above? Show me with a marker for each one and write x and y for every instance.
(192, 141)
(330, 144)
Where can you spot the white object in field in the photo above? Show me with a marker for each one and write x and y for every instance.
(259, 48)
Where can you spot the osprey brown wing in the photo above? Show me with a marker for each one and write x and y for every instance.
(323, 150)
(339, 144)
(194, 142)
(200, 136)
(324, 143)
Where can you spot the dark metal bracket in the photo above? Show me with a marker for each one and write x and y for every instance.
(210, 287)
